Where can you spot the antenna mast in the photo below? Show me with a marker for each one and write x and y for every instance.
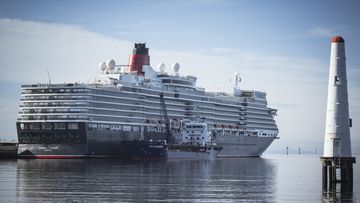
(48, 75)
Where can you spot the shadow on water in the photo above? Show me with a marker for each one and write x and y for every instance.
(115, 180)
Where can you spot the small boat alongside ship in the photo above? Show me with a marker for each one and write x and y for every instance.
(197, 143)
(196, 138)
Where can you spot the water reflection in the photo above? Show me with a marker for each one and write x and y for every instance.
(338, 192)
(299, 179)
(115, 180)
(7, 180)
(337, 196)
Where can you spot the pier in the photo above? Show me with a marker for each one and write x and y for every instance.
(8, 150)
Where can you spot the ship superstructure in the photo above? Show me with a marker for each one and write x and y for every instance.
(94, 118)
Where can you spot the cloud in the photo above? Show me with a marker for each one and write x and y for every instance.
(297, 86)
(321, 32)
(70, 53)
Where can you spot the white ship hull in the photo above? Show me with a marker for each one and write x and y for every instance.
(243, 146)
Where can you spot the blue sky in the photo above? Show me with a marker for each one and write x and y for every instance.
(283, 27)
(281, 47)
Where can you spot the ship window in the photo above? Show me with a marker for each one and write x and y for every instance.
(73, 126)
(22, 126)
(126, 128)
(59, 126)
(46, 126)
(34, 126)
(135, 128)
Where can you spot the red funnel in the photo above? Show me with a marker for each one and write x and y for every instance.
(139, 57)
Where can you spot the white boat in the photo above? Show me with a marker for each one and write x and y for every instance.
(197, 143)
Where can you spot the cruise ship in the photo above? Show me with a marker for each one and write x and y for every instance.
(97, 118)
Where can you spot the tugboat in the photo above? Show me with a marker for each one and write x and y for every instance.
(196, 143)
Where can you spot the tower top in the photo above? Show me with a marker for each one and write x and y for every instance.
(338, 39)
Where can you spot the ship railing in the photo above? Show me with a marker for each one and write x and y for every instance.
(170, 88)
(53, 85)
(27, 105)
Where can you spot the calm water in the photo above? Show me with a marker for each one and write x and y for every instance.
(273, 178)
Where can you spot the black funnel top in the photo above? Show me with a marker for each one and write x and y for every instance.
(140, 48)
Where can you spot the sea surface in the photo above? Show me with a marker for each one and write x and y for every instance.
(272, 178)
